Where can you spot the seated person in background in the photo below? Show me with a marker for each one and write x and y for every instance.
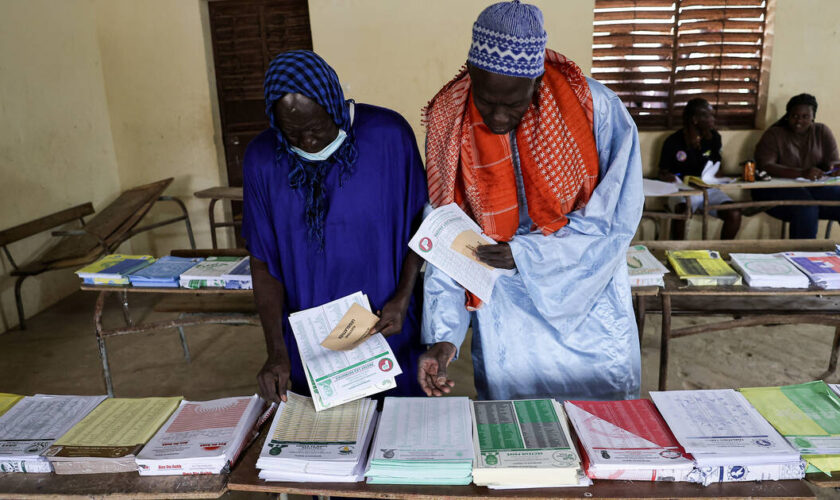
(332, 193)
(796, 146)
(686, 152)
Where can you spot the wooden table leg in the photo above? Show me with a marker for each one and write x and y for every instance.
(705, 214)
(213, 223)
(835, 348)
(663, 347)
(641, 310)
(100, 340)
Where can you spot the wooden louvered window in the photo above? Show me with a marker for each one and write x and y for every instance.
(658, 54)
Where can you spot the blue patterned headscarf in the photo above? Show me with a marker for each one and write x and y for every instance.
(305, 72)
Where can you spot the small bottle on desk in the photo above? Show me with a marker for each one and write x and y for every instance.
(749, 171)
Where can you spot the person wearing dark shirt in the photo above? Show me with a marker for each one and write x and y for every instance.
(686, 152)
(793, 147)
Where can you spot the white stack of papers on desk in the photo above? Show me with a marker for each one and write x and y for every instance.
(447, 239)
(728, 438)
(822, 268)
(209, 273)
(644, 268)
(201, 437)
(29, 428)
(308, 446)
(768, 270)
(628, 440)
(336, 377)
(423, 441)
(239, 278)
(524, 444)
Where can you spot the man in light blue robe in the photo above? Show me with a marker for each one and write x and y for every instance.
(562, 326)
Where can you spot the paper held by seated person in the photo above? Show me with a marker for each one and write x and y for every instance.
(447, 239)
(337, 377)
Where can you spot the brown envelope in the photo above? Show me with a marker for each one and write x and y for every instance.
(466, 242)
(352, 330)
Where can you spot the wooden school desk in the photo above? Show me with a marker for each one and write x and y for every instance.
(109, 486)
(195, 307)
(665, 215)
(245, 478)
(735, 187)
(750, 306)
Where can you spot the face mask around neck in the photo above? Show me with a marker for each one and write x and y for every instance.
(324, 153)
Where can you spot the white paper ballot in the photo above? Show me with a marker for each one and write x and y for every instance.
(721, 422)
(709, 174)
(653, 187)
(434, 241)
(336, 377)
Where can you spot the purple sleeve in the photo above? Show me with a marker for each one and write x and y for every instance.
(257, 223)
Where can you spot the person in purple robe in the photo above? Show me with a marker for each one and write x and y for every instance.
(333, 191)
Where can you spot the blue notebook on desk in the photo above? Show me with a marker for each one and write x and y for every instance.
(164, 272)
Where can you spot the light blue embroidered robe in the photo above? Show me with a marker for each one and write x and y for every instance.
(563, 325)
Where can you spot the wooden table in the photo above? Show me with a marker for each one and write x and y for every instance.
(245, 478)
(775, 183)
(215, 194)
(202, 306)
(750, 306)
(111, 486)
(665, 215)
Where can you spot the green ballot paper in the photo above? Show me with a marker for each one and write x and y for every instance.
(808, 416)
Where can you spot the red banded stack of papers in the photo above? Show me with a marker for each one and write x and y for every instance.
(627, 440)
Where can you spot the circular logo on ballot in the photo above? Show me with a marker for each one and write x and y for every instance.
(425, 244)
(385, 365)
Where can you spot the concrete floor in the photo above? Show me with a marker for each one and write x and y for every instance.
(58, 355)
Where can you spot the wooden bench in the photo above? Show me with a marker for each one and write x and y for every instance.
(106, 231)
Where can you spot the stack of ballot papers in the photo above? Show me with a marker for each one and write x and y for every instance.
(422, 441)
(326, 447)
(163, 273)
(702, 268)
(644, 268)
(447, 239)
(113, 269)
(822, 268)
(628, 440)
(523, 444)
(239, 278)
(109, 437)
(7, 401)
(28, 428)
(728, 438)
(709, 176)
(835, 388)
(355, 364)
(808, 416)
(209, 272)
(768, 270)
(201, 437)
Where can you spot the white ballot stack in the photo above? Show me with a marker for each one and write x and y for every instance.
(446, 239)
(644, 268)
(326, 447)
(422, 441)
(768, 270)
(201, 437)
(523, 444)
(29, 428)
(627, 440)
(336, 377)
(728, 438)
(822, 268)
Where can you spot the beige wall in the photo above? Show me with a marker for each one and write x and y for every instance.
(97, 96)
(56, 148)
(160, 94)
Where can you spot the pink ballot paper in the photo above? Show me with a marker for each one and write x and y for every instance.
(627, 440)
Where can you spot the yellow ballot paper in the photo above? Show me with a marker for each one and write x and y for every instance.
(807, 415)
(7, 401)
(352, 329)
(702, 268)
(466, 243)
(121, 422)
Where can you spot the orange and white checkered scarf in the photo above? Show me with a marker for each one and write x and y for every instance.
(466, 163)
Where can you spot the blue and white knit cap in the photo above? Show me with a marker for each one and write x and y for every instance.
(508, 38)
